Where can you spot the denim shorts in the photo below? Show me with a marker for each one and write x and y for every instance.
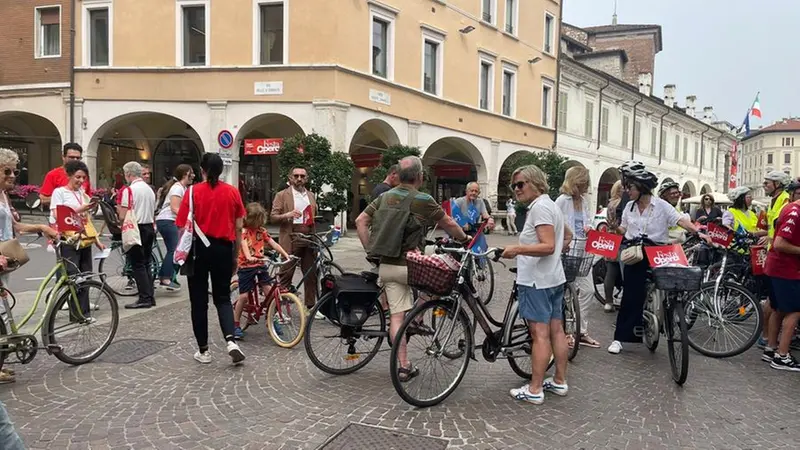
(250, 277)
(785, 298)
(541, 305)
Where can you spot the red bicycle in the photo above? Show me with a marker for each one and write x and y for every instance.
(284, 312)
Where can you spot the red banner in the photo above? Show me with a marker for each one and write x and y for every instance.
(603, 244)
(452, 170)
(762, 220)
(720, 235)
(446, 207)
(366, 160)
(264, 147)
(758, 259)
(68, 220)
(734, 164)
(308, 217)
(666, 255)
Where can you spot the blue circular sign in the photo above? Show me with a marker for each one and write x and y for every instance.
(225, 139)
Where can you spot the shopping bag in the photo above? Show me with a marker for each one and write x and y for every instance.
(130, 231)
(185, 241)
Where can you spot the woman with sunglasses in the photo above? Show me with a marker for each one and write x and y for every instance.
(708, 209)
(10, 226)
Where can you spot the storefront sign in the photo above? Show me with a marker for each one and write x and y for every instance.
(452, 170)
(262, 146)
(666, 255)
(380, 97)
(366, 160)
(268, 88)
(720, 235)
(603, 244)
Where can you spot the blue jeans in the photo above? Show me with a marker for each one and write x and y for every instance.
(9, 439)
(169, 231)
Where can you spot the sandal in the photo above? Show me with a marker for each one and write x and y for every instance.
(570, 341)
(589, 342)
(407, 373)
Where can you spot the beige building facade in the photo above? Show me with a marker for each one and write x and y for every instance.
(469, 82)
(774, 147)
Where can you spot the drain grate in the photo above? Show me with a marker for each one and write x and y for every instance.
(363, 437)
(127, 351)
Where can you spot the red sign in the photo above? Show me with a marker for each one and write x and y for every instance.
(367, 160)
(452, 170)
(719, 235)
(666, 255)
(68, 220)
(762, 220)
(446, 207)
(603, 244)
(734, 164)
(308, 217)
(758, 259)
(262, 146)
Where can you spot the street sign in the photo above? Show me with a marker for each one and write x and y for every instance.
(225, 139)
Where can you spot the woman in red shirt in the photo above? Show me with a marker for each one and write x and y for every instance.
(218, 213)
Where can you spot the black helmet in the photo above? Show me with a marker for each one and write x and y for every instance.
(646, 180)
(667, 186)
(793, 186)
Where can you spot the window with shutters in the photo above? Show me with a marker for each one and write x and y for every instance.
(563, 106)
(653, 133)
(685, 149)
(604, 124)
(48, 32)
(588, 120)
(625, 126)
(637, 133)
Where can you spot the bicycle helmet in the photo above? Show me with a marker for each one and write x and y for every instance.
(630, 166)
(646, 180)
(667, 186)
(778, 177)
(793, 186)
(738, 192)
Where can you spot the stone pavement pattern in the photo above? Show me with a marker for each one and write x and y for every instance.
(279, 400)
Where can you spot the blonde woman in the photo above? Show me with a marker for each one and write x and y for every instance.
(613, 269)
(10, 226)
(575, 207)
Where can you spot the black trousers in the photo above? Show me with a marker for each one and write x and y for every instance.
(630, 324)
(78, 261)
(140, 257)
(215, 260)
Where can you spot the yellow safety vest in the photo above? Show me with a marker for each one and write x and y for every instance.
(774, 212)
(747, 219)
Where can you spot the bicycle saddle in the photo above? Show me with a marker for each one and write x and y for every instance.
(369, 276)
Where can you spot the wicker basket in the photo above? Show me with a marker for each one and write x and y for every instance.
(678, 278)
(430, 273)
(576, 262)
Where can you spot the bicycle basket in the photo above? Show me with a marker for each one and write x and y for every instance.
(678, 278)
(435, 274)
(355, 298)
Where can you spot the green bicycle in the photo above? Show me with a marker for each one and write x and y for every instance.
(77, 307)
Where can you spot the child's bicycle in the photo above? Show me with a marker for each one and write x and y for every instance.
(285, 313)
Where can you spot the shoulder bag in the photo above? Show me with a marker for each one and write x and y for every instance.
(635, 254)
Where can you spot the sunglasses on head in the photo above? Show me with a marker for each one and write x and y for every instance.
(9, 172)
(518, 185)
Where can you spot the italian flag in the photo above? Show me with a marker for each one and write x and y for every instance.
(755, 110)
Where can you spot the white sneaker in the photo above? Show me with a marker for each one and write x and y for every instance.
(236, 353)
(203, 358)
(608, 307)
(526, 395)
(319, 316)
(550, 385)
(92, 306)
(615, 347)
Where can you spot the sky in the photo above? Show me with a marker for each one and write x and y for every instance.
(722, 51)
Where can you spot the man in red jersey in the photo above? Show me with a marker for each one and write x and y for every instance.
(57, 177)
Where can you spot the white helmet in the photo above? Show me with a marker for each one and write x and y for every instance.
(778, 177)
(735, 193)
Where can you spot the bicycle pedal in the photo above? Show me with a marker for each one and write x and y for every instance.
(54, 348)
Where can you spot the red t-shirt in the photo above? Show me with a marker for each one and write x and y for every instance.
(256, 241)
(785, 265)
(215, 210)
(57, 178)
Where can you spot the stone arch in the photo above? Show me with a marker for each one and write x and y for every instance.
(453, 162)
(36, 139)
(604, 184)
(706, 189)
(504, 176)
(155, 138)
(688, 189)
(367, 145)
(258, 141)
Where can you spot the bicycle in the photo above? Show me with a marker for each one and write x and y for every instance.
(119, 276)
(576, 264)
(277, 306)
(482, 274)
(67, 290)
(665, 312)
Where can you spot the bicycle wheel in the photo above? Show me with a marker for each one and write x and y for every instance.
(518, 335)
(355, 346)
(677, 341)
(652, 329)
(119, 274)
(450, 331)
(3, 348)
(482, 277)
(286, 320)
(330, 267)
(62, 327)
(729, 333)
(572, 319)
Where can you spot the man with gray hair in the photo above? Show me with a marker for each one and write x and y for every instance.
(381, 236)
(473, 201)
(140, 197)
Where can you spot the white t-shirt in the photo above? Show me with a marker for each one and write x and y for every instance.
(301, 202)
(67, 197)
(144, 201)
(177, 190)
(542, 271)
(655, 221)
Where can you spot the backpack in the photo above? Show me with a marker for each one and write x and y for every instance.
(385, 240)
(111, 219)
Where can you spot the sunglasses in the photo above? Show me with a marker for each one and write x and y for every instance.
(518, 185)
(9, 172)
(298, 176)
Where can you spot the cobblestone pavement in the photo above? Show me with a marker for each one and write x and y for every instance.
(279, 400)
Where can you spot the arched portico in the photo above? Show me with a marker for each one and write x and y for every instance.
(35, 139)
(369, 142)
(604, 184)
(453, 162)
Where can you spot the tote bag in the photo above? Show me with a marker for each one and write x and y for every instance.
(186, 240)
(130, 226)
